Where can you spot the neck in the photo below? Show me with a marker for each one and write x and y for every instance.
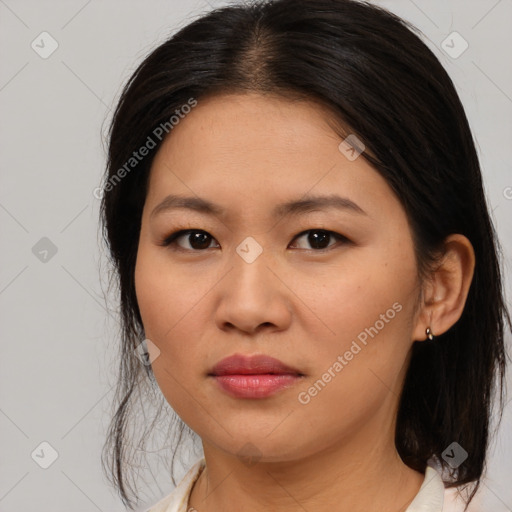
(362, 477)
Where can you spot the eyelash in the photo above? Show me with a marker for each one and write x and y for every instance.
(170, 240)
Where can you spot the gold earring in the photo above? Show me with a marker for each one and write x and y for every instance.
(430, 334)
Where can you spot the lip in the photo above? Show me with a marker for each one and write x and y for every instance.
(239, 364)
(257, 376)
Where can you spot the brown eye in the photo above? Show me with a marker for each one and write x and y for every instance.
(197, 240)
(319, 239)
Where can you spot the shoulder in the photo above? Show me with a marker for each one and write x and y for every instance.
(177, 500)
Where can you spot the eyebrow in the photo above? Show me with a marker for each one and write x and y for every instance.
(296, 207)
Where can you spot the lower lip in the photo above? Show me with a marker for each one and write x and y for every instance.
(255, 386)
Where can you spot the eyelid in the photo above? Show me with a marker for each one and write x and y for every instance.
(170, 240)
(334, 234)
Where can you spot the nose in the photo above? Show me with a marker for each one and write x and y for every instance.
(253, 296)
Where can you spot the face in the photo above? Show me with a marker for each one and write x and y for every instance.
(327, 288)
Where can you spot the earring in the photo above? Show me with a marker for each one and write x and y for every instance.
(430, 334)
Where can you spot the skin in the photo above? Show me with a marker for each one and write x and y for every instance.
(248, 153)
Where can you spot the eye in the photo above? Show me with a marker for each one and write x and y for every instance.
(319, 238)
(197, 239)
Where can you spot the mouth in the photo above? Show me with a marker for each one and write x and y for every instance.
(257, 376)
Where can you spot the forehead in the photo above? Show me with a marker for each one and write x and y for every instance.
(250, 150)
(253, 124)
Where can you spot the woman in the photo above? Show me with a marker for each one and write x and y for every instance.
(294, 208)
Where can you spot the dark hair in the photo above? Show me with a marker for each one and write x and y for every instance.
(385, 86)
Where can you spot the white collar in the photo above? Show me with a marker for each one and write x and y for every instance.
(430, 497)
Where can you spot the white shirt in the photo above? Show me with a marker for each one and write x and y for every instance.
(430, 497)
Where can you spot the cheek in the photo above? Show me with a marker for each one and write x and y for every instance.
(165, 294)
(367, 306)
(166, 305)
(173, 305)
(161, 297)
(365, 291)
(357, 365)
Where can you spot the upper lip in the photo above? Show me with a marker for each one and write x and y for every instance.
(237, 364)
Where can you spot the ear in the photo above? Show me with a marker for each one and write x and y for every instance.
(445, 292)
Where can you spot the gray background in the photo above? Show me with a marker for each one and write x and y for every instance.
(57, 364)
